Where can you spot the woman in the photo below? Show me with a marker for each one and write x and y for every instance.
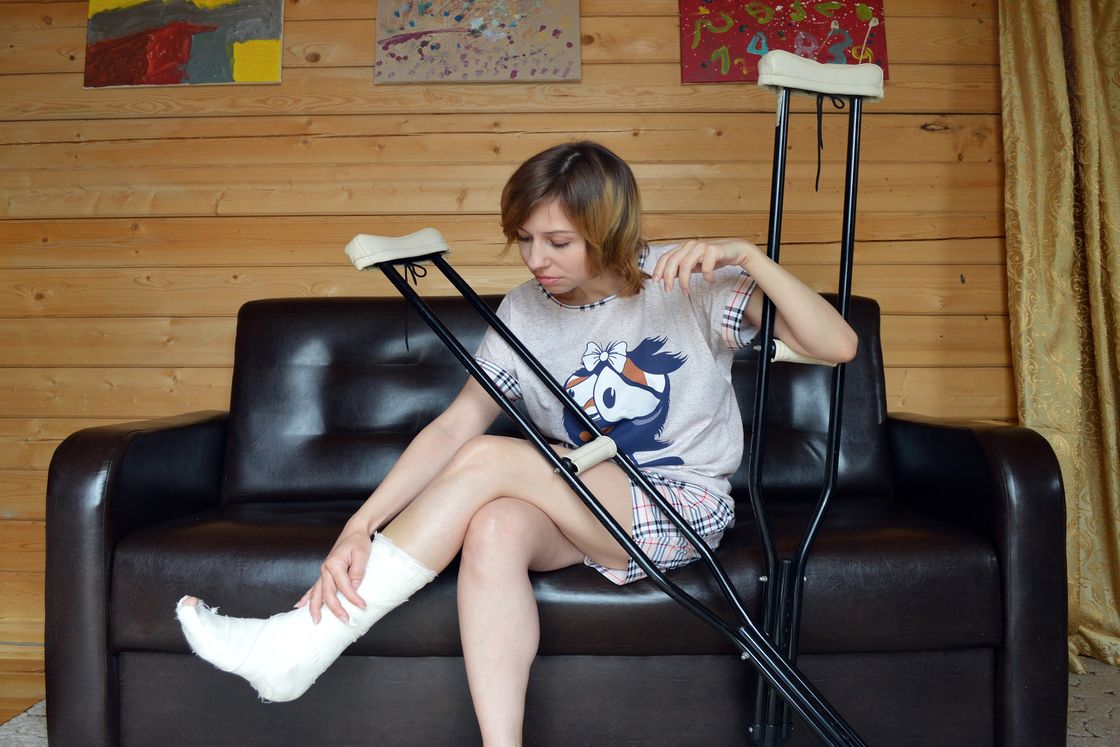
(643, 338)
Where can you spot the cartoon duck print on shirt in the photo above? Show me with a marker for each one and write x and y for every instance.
(626, 394)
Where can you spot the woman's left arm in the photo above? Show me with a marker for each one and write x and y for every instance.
(805, 321)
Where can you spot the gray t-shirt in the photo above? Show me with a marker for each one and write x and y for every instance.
(653, 371)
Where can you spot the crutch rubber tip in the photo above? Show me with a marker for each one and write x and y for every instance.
(366, 250)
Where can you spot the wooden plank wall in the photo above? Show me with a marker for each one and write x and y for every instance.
(136, 222)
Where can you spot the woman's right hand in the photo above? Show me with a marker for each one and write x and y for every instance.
(702, 256)
(340, 573)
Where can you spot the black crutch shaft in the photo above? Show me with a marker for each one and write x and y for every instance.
(758, 421)
(784, 591)
(770, 663)
(836, 401)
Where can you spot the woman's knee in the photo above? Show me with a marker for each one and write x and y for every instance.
(500, 534)
(480, 456)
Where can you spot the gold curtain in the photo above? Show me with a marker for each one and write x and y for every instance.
(1060, 79)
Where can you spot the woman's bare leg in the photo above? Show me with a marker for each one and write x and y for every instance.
(432, 528)
(422, 540)
(498, 618)
(501, 503)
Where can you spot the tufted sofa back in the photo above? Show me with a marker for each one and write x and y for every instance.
(797, 419)
(327, 392)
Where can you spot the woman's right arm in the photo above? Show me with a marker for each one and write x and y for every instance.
(469, 415)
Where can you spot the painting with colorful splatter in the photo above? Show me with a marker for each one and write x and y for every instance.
(721, 40)
(477, 40)
(177, 42)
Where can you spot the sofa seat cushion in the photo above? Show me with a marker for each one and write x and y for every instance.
(881, 578)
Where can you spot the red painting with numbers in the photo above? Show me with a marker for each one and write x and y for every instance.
(721, 40)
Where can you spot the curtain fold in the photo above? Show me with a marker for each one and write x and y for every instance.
(1060, 80)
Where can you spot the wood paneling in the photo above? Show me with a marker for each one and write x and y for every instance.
(911, 340)
(21, 612)
(135, 222)
(911, 237)
(345, 42)
(285, 241)
(21, 678)
(112, 392)
(972, 289)
(346, 189)
(22, 491)
(22, 545)
(54, 13)
(26, 447)
(621, 87)
(473, 138)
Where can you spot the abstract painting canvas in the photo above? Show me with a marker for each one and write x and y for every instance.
(178, 42)
(477, 40)
(722, 40)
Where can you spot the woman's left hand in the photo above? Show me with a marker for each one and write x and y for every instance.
(704, 256)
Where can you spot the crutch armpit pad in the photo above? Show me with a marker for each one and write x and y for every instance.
(366, 250)
(781, 69)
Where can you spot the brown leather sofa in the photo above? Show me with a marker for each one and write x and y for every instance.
(934, 601)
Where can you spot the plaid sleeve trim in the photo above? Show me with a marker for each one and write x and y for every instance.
(502, 379)
(731, 321)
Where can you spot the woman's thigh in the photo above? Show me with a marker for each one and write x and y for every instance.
(488, 468)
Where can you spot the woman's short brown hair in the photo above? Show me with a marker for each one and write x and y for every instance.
(599, 195)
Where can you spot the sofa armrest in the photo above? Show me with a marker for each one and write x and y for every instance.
(1005, 483)
(104, 483)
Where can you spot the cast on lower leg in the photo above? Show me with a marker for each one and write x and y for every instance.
(283, 655)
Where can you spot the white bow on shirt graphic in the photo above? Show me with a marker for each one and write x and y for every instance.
(614, 355)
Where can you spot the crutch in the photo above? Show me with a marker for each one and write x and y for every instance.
(388, 254)
(784, 578)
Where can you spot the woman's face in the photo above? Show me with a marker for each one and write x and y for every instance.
(556, 253)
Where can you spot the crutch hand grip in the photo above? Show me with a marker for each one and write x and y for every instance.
(783, 352)
(590, 454)
(366, 250)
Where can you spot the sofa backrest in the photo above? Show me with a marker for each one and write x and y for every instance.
(793, 464)
(327, 393)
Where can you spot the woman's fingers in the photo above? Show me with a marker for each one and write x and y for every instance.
(330, 597)
(677, 265)
(708, 263)
(667, 268)
(315, 601)
(341, 573)
(348, 575)
(702, 256)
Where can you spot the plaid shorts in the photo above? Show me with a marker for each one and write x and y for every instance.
(710, 514)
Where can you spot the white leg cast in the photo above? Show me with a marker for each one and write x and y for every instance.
(283, 655)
